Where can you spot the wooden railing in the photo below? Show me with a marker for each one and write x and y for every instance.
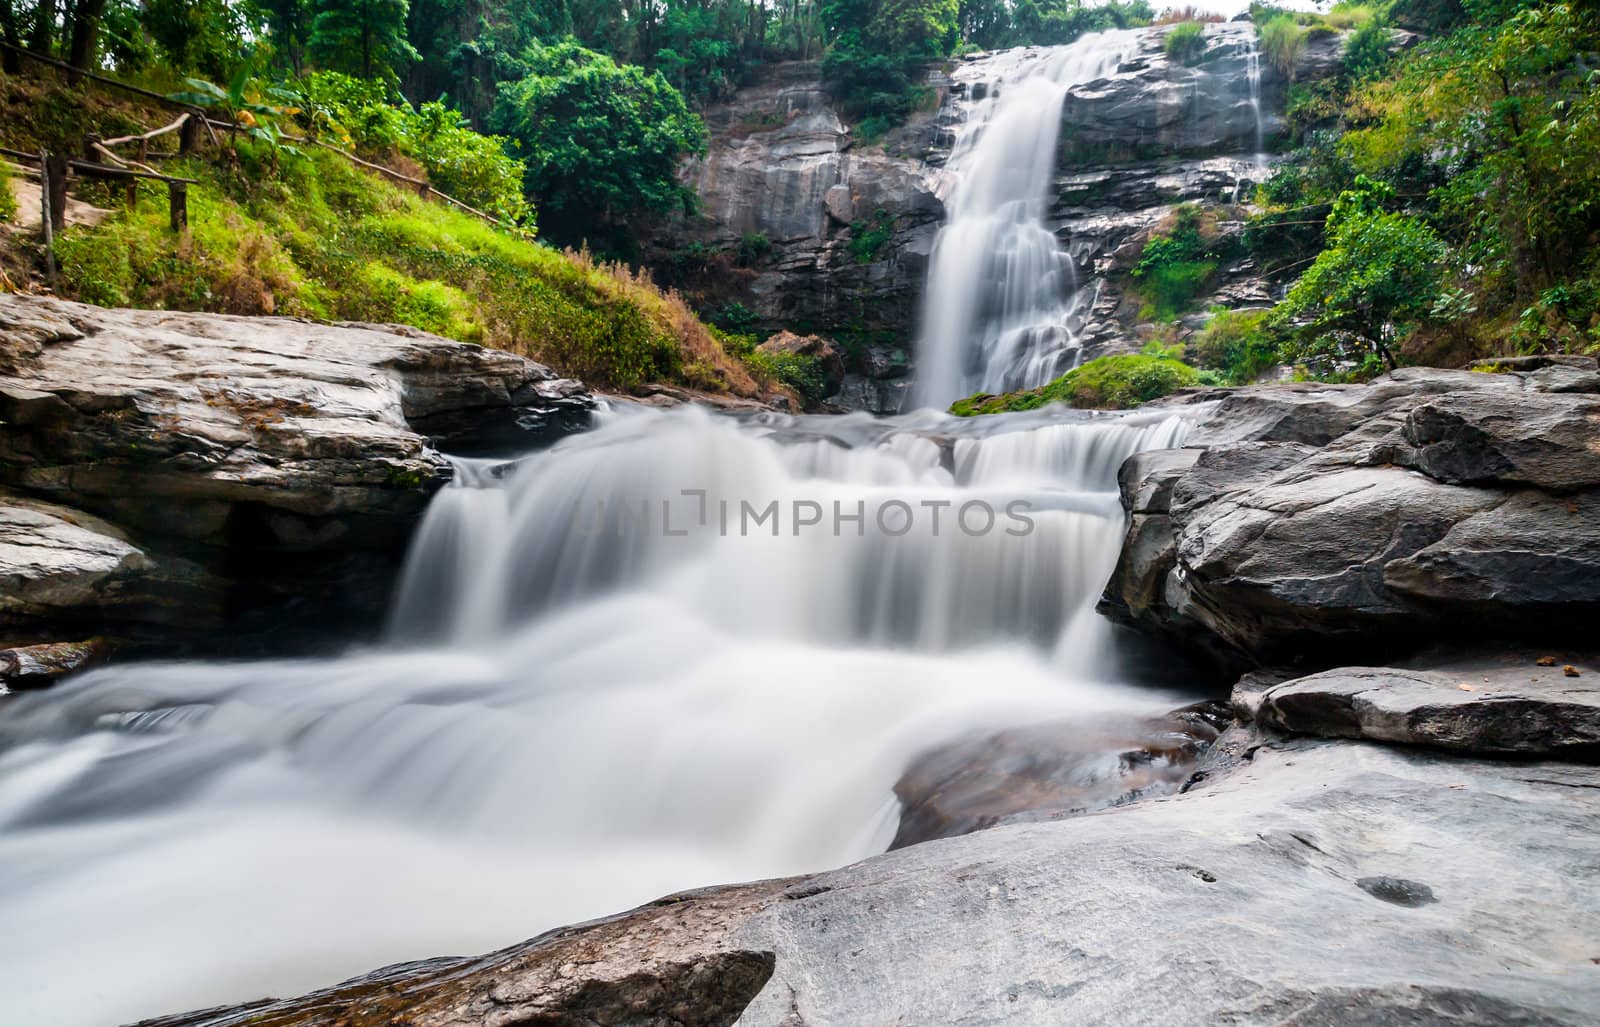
(194, 119)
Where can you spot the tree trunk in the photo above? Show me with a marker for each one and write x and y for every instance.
(13, 35)
(44, 27)
(86, 34)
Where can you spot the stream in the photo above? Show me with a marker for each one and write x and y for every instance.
(590, 696)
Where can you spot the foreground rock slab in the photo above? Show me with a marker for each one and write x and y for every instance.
(1462, 889)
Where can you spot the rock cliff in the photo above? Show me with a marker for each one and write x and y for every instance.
(812, 228)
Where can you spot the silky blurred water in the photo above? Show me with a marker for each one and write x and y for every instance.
(565, 720)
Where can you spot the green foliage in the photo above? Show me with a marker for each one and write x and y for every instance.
(362, 37)
(1238, 344)
(323, 239)
(1380, 275)
(1106, 383)
(202, 37)
(473, 168)
(1173, 268)
(868, 238)
(601, 140)
(799, 372)
(1366, 52)
(1282, 40)
(8, 200)
(753, 249)
(1185, 42)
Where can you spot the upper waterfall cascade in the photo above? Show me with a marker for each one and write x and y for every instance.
(1003, 301)
(605, 680)
(1010, 289)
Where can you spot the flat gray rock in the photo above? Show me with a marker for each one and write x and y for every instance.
(1319, 882)
(1489, 708)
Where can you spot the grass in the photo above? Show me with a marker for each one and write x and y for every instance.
(8, 200)
(322, 239)
(1282, 39)
(1106, 383)
(1186, 42)
(314, 236)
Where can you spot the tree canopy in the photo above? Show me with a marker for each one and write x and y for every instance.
(601, 140)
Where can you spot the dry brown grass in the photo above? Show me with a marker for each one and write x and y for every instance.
(1178, 15)
(707, 364)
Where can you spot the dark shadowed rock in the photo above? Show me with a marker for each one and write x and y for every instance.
(1552, 442)
(1213, 906)
(36, 666)
(1505, 707)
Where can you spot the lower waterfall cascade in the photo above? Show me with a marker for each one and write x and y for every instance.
(660, 655)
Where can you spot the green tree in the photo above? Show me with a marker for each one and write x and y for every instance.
(601, 140)
(1380, 275)
(362, 37)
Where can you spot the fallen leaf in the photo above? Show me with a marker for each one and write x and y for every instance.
(1546, 661)
(1570, 671)
(1468, 688)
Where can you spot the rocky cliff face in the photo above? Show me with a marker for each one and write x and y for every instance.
(811, 228)
(166, 475)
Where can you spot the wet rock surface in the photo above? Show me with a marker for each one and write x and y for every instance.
(1050, 772)
(1462, 889)
(160, 472)
(1324, 522)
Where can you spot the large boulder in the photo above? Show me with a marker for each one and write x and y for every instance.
(182, 471)
(1325, 522)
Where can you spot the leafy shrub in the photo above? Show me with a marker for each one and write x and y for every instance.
(752, 249)
(8, 199)
(471, 167)
(1186, 42)
(1380, 274)
(799, 372)
(1237, 344)
(1174, 267)
(601, 140)
(868, 238)
(1106, 383)
(1366, 52)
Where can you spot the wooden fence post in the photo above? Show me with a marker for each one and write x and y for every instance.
(47, 217)
(189, 134)
(57, 171)
(178, 200)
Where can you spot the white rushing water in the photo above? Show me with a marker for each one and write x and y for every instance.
(565, 721)
(1004, 307)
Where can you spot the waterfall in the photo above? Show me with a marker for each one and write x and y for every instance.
(1003, 304)
(604, 681)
